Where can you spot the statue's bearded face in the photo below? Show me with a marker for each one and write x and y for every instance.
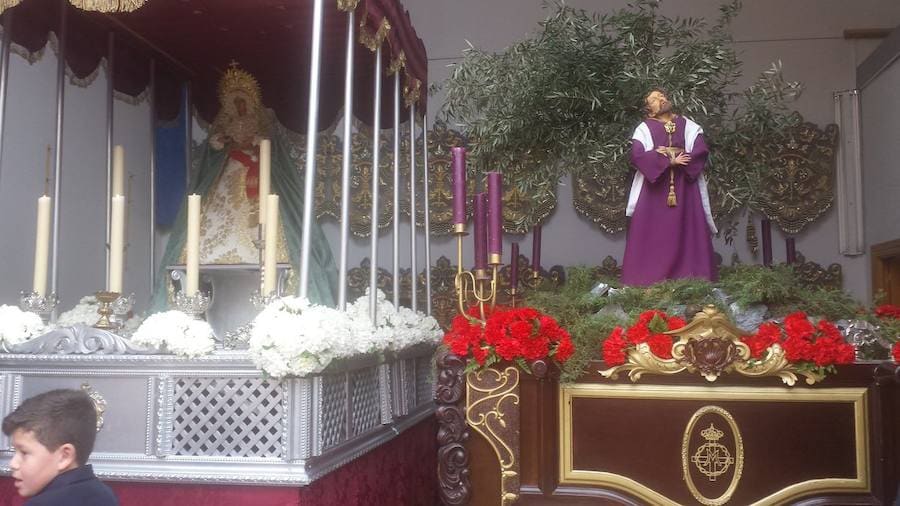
(657, 103)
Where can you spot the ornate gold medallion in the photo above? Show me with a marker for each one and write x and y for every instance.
(716, 458)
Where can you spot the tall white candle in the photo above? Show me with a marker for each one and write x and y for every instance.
(116, 244)
(193, 246)
(118, 175)
(265, 176)
(41, 246)
(271, 258)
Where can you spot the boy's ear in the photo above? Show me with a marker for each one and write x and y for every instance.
(66, 457)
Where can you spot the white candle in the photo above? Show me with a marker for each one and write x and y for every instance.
(265, 176)
(41, 246)
(118, 175)
(193, 246)
(271, 258)
(116, 244)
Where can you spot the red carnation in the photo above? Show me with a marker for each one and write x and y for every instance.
(480, 354)
(564, 349)
(660, 345)
(798, 325)
(614, 348)
(888, 311)
(895, 352)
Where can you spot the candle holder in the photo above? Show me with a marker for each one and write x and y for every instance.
(106, 299)
(193, 305)
(533, 281)
(34, 302)
(477, 284)
(512, 296)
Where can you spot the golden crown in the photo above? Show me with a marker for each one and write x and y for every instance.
(236, 80)
(712, 433)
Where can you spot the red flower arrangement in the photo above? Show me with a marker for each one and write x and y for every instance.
(648, 329)
(888, 311)
(514, 334)
(818, 346)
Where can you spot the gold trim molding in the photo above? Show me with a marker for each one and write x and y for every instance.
(857, 397)
(710, 345)
(492, 400)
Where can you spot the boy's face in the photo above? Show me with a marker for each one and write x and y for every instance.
(34, 466)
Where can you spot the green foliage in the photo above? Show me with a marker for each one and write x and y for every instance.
(567, 99)
(583, 315)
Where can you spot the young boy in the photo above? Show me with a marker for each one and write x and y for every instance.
(53, 434)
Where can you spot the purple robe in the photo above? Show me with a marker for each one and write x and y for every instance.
(668, 242)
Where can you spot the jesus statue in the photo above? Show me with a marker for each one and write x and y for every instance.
(671, 228)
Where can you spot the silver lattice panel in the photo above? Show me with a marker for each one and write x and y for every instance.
(365, 402)
(227, 417)
(334, 410)
(424, 386)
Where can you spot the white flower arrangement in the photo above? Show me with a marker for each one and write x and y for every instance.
(292, 337)
(17, 326)
(177, 332)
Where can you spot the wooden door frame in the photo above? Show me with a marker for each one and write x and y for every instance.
(880, 253)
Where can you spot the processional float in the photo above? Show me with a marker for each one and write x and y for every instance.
(218, 418)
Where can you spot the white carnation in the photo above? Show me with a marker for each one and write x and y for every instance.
(17, 326)
(177, 332)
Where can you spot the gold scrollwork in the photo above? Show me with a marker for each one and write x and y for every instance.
(347, 5)
(711, 346)
(800, 187)
(600, 195)
(492, 399)
(99, 403)
(712, 459)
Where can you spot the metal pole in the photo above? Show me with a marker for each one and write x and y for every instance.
(4, 75)
(376, 160)
(427, 214)
(57, 174)
(110, 90)
(347, 161)
(396, 264)
(412, 205)
(311, 129)
(188, 136)
(152, 175)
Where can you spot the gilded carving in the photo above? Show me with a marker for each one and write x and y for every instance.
(361, 182)
(715, 457)
(600, 195)
(492, 400)
(800, 187)
(99, 403)
(711, 346)
(814, 275)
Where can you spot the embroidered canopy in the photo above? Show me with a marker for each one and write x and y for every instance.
(195, 40)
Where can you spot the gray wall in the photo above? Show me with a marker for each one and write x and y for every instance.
(880, 108)
(806, 35)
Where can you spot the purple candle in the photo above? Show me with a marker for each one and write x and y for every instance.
(514, 266)
(480, 231)
(767, 241)
(791, 250)
(536, 249)
(459, 185)
(495, 217)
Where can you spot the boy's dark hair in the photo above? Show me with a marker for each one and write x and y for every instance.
(58, 417)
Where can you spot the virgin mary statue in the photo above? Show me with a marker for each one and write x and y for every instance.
(226, 175)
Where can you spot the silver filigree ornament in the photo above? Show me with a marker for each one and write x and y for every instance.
(42, 305)
(193, 305)
(866, 338)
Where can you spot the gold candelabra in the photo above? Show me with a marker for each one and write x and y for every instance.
(477, 284)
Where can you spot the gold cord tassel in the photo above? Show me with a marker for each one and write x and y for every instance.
(672, 201)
